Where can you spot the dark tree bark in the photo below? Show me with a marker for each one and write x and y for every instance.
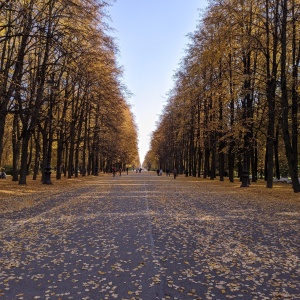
(276, 153)
(37, 156)
(231, 153)
(16, 146)
(290, 153)
(271, 88)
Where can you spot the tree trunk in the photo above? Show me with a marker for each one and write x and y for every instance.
(271, 89)
(290, 154)
(213, 160)
(44, 151)
(17, 74)
(254, 161)
(24, 156)
(206, 163)
(16, 148)
(231, 159)
(276, 153)
(71, 155)
(66, 159)
(37, 157)
(29, 160)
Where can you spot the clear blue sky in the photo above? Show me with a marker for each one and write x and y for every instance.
(151, 36)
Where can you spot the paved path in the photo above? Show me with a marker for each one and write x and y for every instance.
(147, 237)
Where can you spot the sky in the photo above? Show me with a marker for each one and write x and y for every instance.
(152, 38)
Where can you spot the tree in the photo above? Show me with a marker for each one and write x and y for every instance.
(237, 83)
(62, 85)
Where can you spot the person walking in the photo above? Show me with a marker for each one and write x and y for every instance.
(175, 173)
(2, 174)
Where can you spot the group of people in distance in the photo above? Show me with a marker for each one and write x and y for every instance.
(120, 170)
(139, 170)
(160, 172)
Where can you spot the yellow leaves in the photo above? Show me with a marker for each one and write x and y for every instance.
(156, 279)
(105, 248)
(101, 272)
(133, 294)
(140, 266)
(192, 292)
(15, 197)
(170, 283)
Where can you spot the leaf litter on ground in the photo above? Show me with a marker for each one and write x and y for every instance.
(211, 240)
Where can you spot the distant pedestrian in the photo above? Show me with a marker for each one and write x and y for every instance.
(167, 172)
(175, 173)
(160, 172)
(157, 171)
(2, 174)
(114, 171)
(120, 171)
(127, 171)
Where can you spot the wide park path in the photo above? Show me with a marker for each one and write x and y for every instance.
(143, 236)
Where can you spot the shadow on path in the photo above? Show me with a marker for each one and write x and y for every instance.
(143, 236)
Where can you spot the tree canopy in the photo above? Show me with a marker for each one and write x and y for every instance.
(234, 107)
(62, 100)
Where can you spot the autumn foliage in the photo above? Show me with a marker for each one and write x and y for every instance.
(234, 108)
(62, 103)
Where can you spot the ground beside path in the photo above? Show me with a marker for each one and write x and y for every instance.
(143, 236)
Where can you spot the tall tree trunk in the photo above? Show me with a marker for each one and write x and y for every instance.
(213, 158)
(276, 153)
(61, 135)
(221, 143)
(60, 150)
(271, 89)
(30, 154)
(66, 159)
(16, 77)
(231, 154)
(44, 151)
(290, 154)
(16, 147)
(206, 162)
(71, 154)
(3, 115)
(200, 156)
(231, 160)
(37, 156)
(84, 150)
(24, 155)
(254, 161)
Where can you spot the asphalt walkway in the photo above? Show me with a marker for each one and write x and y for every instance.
(143, 236)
